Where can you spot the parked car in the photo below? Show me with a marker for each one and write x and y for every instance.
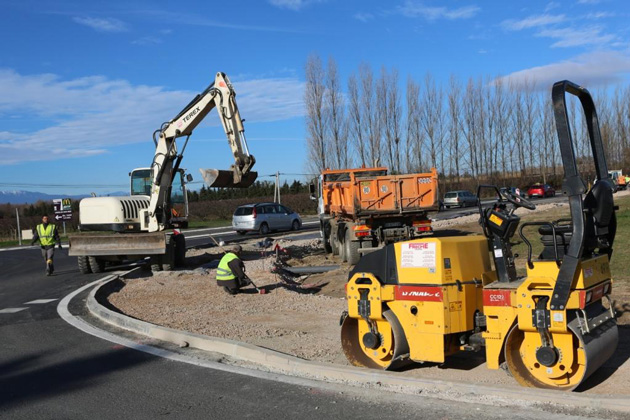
(541, 191)
(459, 199)
(264, 217)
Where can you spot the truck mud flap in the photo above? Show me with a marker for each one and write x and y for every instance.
(216, 178)
(117, 244)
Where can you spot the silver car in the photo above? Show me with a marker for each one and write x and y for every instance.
(264, 217)
(461, 198)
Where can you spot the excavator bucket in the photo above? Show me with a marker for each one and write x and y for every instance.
(216, 178)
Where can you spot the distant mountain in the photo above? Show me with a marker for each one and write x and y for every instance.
(30, 197)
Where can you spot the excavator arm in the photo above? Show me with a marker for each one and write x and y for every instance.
(167, 159)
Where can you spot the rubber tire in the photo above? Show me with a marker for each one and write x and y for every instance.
(180, 250)
(352, 249)
(168, 259)
(97, 265)
(326, 240)
(241, 232)
(264, 229)
(334, 245)
(295, 225)
(156, 263)
(84, 265)
(342, 251)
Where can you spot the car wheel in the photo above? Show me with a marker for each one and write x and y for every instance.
(295, 225)
(448, 207)
(264, 229)
(241, 232)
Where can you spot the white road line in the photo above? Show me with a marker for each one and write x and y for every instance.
(40, 301)
(64, 313)
(11, 310)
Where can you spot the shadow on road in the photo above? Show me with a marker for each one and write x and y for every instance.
(28, 378)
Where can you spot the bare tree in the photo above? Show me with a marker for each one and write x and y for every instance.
(356, 124)
(454, 124)
(370, 114)
(315, 115)
(390, 114)
(432, 118)
(415, 156)
(336, 118)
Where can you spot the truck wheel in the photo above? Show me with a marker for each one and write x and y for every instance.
(334, 245)
(342, 251)
(180, 250)
(352, 249)
(97, 265)
(326, 240)
(156, 263)
(84, 265)
(168, 259)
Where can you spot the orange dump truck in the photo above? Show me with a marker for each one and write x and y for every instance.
(363, 209)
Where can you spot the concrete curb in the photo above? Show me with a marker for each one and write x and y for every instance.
(276, 362)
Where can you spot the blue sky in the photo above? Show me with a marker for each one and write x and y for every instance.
(83, 84)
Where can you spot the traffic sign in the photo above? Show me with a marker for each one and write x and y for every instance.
(63, 216)
(63, 209)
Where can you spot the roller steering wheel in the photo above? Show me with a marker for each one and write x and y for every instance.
(519, 201)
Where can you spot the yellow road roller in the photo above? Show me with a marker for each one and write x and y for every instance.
(423, 300)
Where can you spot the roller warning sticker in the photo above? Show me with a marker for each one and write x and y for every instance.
(419, 293)
(418, 255)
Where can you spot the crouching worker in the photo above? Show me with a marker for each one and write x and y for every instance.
(231, 271)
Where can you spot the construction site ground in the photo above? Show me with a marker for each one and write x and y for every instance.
(302, 318)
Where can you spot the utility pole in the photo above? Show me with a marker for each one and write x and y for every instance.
(19, 232)
(276, 190)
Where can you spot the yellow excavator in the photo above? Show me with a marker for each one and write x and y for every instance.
(423, 300)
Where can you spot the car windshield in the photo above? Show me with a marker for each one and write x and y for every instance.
(244, 211)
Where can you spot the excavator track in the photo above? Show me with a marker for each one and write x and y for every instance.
(392, 352)
(580, 355)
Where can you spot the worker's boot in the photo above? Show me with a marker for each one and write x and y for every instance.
(230, 291)
(49, 268)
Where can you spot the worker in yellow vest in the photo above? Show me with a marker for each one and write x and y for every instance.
(47, 235)
(231, 271)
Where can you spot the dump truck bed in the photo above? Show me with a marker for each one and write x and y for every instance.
(358, 194)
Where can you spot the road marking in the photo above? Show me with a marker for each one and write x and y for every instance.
(40, 301)
(11, 310)
(80, 324)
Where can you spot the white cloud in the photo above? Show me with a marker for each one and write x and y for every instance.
(292, 4)
(415, 9)
(589, 1)
(363, 17)
(590, 70)
(86, 116)
(570, 37)
(552, 5)
(532, 21)
(147, 40)
(600, 15)
(102, 25)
